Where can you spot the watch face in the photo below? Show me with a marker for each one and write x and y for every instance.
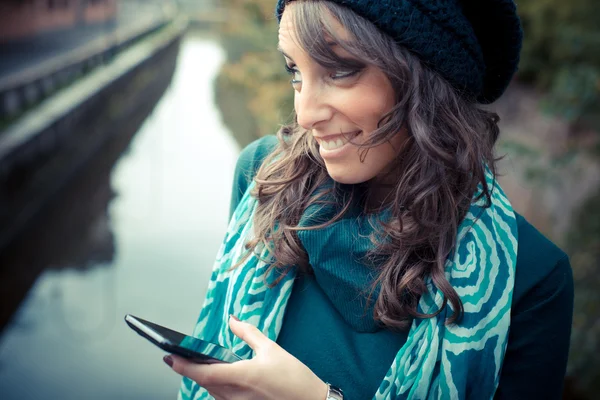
(334, 393)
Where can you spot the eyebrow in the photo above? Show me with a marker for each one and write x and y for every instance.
(284, 53)
(331, 44)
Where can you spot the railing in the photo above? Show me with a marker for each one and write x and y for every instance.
(23, 89)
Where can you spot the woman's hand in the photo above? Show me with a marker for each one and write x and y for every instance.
(273, 373)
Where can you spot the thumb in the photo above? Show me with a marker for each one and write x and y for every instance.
(249, 334)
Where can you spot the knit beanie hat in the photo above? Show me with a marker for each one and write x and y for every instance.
(474, 44)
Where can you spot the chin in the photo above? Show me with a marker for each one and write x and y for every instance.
(346, 177)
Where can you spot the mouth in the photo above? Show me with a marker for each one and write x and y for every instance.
(334, 142)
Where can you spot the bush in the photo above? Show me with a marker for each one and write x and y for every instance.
(561, 56)
(254, 73)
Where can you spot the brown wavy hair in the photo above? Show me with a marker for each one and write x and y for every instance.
(450, 142)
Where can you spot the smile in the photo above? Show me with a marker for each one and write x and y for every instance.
(336, 141)
(333, 144)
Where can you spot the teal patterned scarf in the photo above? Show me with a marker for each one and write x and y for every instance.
(438, 361)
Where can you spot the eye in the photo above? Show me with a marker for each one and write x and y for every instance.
(296, 78)
(342, 74)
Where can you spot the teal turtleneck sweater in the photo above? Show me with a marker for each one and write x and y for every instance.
(327, 327)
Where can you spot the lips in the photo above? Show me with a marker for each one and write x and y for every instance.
(336, 138)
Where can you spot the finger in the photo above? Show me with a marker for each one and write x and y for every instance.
(204, 374)
(249, 334)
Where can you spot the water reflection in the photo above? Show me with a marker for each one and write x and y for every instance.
(139, 240)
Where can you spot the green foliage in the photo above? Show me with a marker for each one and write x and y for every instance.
(583, 245)
(253, 87)
(561, 56)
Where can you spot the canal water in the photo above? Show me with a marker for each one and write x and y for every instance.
(138, 239)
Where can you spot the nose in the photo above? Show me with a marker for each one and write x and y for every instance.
(312, 105)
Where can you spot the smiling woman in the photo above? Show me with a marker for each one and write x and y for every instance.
(370, 245)
(339, 98)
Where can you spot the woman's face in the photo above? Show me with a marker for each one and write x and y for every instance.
(330, 103)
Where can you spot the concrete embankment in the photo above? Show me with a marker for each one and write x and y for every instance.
(45, 148)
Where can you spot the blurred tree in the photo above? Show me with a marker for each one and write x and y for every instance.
(253, 88)
(561, 56)
(583, 244)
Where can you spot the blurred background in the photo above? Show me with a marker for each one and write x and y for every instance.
(120, 125)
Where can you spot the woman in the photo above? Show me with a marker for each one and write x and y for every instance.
(371, 253)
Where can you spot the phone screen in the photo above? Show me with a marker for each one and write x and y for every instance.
(178, 343)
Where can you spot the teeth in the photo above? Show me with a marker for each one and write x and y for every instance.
(332, 145)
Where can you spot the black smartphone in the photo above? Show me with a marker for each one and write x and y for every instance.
(191, 348)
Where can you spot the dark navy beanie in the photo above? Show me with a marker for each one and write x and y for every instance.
(474, 44)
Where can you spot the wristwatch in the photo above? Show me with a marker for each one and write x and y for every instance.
(334, 393)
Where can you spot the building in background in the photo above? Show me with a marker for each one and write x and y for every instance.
(27, 18)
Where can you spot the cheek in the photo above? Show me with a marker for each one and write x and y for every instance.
(380, 158)
(367, 107)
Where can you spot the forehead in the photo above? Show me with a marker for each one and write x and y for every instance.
(288, 30)
(286, 25)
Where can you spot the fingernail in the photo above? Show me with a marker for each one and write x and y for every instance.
(168, 360)
(234, 317)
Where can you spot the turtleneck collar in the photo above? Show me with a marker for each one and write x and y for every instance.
(337, 254)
